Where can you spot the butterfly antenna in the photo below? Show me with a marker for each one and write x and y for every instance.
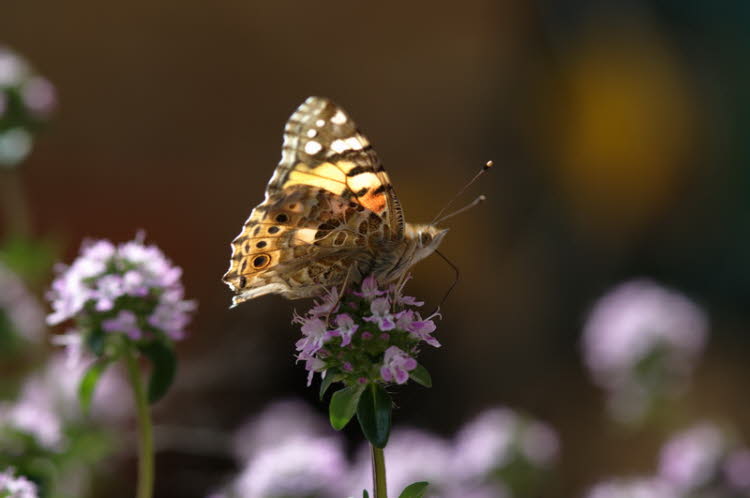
(486, 166)
(455, 280)
(473, 203)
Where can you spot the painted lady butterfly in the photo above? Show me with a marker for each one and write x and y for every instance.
(330, 216)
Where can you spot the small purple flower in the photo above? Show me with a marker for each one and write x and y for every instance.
(315, 335)
(12, 486)
(346, 329)
(413, 323)
(643, 487)
(400, 299)
(327, 305)
(23, 311)
(692, 458)
(39, 96)
(172, 314)
(397, 365)
(108, 289)
(370, 289)
(125, 322)
(13, 69)
(381, 314)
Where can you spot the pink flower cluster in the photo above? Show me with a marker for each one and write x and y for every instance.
(369, 334)
(131, 288)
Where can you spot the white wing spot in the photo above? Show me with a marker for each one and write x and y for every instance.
(339, 118)
(311, 133)
(354, 143)
(312, 147)
(339, 146)
(319, 123)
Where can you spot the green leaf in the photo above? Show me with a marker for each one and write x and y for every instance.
(365, 494)
(89, 381)
(329, 379)
(421, 376)
(96, 340)
(374, 414)
(343, 405)
(164, 365)
(414, 490)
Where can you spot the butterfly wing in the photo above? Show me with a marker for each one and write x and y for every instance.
(323, 148)
(328, 201)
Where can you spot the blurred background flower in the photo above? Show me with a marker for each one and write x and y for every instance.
(26, 102)
(288, 450)
(21, 314)
(641, 343)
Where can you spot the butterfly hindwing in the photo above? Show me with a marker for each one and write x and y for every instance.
(298, 241)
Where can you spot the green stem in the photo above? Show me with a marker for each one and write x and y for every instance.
(378, 473)
(145, 430)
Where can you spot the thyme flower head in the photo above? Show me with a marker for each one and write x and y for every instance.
(131, 288)
(16, 486)
(642, 341)
(367, 335)
(27, 101)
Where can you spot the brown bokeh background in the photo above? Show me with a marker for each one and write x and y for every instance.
(619, 131)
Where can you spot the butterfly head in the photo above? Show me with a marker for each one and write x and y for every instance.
(427, 238)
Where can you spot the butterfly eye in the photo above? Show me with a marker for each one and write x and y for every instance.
(261, 261)
(425, 238)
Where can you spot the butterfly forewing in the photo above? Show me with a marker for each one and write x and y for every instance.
(323, 147)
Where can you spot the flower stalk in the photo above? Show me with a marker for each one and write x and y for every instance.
(378, 472)
(145, 428)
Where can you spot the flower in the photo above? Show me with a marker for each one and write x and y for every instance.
(397, 365)
(641, 341)
(381, 314)
(413, 323)
(369, 289)
(48, 402)
(132, 289)
(279, 421)
(29, 98)
(311, 467)
(22, 311)
(639, 487)
(346, 329)
(16, 486)
(360, 337)
(500, 438)
(693, 457)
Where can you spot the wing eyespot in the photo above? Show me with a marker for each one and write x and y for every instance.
(261, 244)
(261, 261)
(273, 229)
(282, 218)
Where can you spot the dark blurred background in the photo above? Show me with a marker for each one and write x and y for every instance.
(621, 135)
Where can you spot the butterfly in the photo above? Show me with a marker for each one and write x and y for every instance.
(330, 216)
